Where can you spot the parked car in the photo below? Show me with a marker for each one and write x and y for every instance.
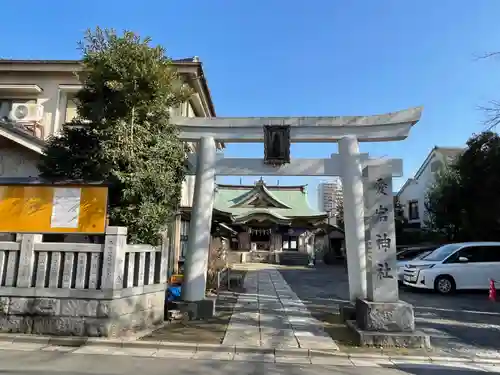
(451, 267)
(408, 255)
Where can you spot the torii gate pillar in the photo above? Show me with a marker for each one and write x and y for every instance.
(352, 186)
(195, 274)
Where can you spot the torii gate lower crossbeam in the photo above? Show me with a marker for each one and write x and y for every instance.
(296, 167)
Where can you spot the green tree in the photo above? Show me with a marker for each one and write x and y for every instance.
(479, 171)
(399, 218)
(464, 202)
(122, 134)
(444, 205)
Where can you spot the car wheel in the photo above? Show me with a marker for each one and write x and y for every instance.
(444, 285)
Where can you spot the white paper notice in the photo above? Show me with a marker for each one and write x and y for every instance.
(65, 208)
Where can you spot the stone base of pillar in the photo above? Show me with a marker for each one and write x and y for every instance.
(385, 316)
(347, 312)
(198, 310)
(386, 324)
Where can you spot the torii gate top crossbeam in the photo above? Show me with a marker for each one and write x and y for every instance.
(387, 127)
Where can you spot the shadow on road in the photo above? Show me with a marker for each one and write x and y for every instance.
(429, 369)
(456, 323)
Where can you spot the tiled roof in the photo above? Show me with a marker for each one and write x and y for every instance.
(294, 197)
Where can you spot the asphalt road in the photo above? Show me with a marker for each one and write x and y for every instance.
(458, 324)
(55, 363)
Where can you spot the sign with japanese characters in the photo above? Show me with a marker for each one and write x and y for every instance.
(382, 283)
(35, 206)
(277, 144)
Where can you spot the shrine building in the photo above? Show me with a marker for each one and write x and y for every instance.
(267, 223)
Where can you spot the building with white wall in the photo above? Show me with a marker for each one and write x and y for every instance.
(413, 193)
(328, 194)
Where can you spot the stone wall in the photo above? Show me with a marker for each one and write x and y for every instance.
(81, 317)
(69, 289)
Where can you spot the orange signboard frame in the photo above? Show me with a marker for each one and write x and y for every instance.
(53, 208)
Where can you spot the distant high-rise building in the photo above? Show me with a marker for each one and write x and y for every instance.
(329, 192)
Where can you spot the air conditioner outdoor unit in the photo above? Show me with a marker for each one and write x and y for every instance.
(26, 112)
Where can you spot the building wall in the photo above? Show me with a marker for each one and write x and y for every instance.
(53, 99)
(188, 184)
(59, 108)
(416, 189)
(17, 161)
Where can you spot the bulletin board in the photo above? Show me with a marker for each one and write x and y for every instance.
(37, 208)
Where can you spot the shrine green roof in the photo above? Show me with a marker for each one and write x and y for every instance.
(283, 201)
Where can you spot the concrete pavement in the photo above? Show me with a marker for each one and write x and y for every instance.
(27, 359)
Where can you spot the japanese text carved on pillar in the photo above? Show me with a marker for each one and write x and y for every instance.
(276, 144)
(382, 275)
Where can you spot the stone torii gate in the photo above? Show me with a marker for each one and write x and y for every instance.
(366, 182)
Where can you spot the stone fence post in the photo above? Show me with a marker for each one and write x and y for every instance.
(165, 252)
(27, 259)
(114, 258)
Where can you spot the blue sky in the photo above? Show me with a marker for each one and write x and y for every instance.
(316, 57)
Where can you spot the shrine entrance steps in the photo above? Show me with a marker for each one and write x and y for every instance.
(270, 315)
(290, 258)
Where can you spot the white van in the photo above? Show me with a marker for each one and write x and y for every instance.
(468, 265)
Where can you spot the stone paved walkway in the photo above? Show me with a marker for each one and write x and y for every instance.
(269, 314)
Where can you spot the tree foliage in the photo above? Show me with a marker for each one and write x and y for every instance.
(464, 202)
(216, 261)
(443, 204)
(122, 133)
(399, 218)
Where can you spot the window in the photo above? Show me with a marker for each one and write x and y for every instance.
(71, 110)
(477, 254)
(441, 253)
(436, 166)
(176, 111)
(289, 242)
(413, 210)
(474, 254)
(409, 254)
(491, 254)
(184, 237)
(190, 111)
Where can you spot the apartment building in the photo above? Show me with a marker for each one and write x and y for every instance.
(37, 97)
(328, 194)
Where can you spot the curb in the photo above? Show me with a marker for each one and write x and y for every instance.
(220, 348)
